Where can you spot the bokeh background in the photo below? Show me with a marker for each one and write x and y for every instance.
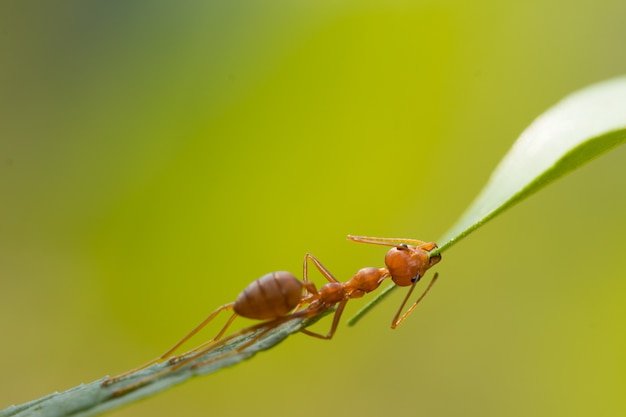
(156, 157)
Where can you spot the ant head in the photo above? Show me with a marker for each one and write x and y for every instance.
(407, 264)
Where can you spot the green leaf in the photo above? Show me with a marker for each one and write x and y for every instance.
(94, 398)
(580, 128)
(575, 131)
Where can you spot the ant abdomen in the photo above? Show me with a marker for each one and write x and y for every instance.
(269, 297)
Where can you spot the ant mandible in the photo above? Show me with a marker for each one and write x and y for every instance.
(279, 296)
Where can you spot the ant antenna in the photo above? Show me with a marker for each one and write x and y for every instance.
(396, 322)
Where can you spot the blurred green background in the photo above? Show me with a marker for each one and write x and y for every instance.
(156, 157)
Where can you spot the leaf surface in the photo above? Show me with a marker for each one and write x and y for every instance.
(576, 130)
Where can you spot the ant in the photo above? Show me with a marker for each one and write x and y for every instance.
(279, 296)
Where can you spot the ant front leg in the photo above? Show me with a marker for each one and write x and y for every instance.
(387, 241)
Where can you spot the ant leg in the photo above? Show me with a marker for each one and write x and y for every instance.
(310, 291)
(396, 242)
(308, 257)
(169, 352)
(182, 362)
(266, 327)
(396, 322)
(309, 287)
(333, 326)
(178, 358)
(428, 246)
(386, 241)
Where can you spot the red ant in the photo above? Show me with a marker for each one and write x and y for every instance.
(279, 296)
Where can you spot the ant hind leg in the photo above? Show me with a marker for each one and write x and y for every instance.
(178, 344)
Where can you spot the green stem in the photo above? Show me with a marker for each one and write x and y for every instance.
(359, 315)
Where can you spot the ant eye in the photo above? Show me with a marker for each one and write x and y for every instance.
(404, 246)
(415, 278)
